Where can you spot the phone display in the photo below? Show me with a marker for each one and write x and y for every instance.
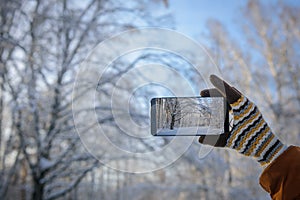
(174, 116)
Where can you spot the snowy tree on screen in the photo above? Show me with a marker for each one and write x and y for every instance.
(189, 112)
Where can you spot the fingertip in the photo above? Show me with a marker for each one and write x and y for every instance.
(215, 79)
(204, 93)
(217, 82)
(201, 139)
(213, 76)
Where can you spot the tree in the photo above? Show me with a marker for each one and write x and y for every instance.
(261, 60)
(42, 44)
(268, 53)
(173, 112)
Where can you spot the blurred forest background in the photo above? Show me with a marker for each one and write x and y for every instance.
(41, 46)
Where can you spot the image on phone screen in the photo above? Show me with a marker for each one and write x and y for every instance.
(185, 116)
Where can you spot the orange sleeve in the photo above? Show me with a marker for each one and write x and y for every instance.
(282, 177)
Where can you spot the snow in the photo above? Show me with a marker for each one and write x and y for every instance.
(45, 163)
(192, 131)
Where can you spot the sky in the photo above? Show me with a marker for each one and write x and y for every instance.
(191, 15)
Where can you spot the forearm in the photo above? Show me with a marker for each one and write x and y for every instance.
(282, 178)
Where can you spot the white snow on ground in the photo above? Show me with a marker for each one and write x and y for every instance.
(189, 131)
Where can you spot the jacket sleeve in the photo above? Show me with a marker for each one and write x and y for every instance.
(282, 177)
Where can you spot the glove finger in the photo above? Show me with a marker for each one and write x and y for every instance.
(213, 92)
(230, 93)
(214, 140)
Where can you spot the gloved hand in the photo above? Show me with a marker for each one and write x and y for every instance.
(250, 134)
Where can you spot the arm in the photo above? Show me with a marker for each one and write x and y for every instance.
(251, 136)
(282, 177)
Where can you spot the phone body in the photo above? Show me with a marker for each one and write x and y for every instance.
(189, 116)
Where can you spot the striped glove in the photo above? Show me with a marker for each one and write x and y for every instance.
(250, 135)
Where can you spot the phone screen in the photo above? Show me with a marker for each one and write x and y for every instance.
(188, 116)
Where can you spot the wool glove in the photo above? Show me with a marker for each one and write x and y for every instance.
(250, 134)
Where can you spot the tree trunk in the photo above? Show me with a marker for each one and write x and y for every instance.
(172, 122)
(23, 176)
(38, 190)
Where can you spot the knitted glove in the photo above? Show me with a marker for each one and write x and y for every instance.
(250, 134)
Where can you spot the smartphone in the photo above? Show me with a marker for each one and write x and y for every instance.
(189, 116)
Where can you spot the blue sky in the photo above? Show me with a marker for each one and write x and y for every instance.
(191, 15)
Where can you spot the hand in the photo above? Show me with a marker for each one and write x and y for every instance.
(250, 134)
